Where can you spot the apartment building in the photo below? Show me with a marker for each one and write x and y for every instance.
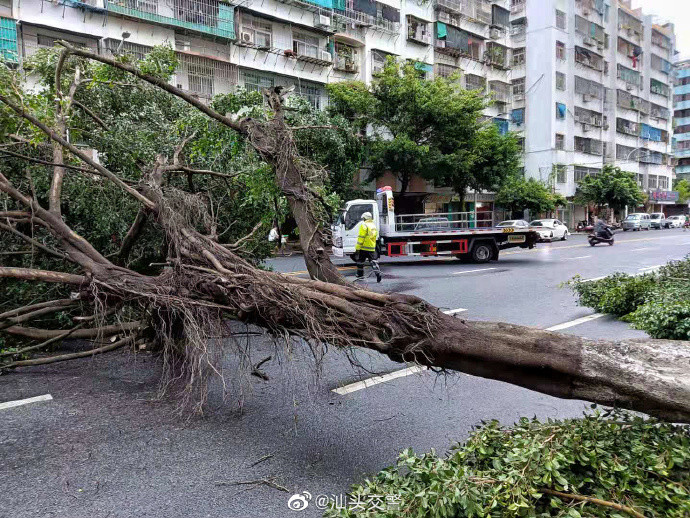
(582, 82)
(681, 116)
(598, 79)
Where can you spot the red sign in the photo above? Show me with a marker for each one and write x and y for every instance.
(663, 195)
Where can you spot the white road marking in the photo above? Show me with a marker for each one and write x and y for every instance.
(640, 271)
(643, 248)
(648, 269)
(576, 322)
(472, 271)
(359, 385)
(20, 402)
(594, 279)
(580, 257)
(354, 387)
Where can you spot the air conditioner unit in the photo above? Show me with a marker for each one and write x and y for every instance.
(326, 56)
(441, 44)
(585, 11)
(606, 126)
(518, 97)
(322, 20)
(600, 45)
(585, 127)
(588, 41)
(586, 98)
(247, 37)
(494, 34)
(629, 86)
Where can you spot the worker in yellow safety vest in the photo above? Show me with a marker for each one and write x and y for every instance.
(366, 246)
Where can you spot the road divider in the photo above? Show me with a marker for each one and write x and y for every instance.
(20, 402)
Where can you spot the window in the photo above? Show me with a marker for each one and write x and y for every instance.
(256, 81)
(200, 77)
(8, 39)
(443, 70)
(418, 30)
(581, 172)
(305, 45)
(519, 56)
(560, 141)
(560, 81)
(518, 88)
(589, 145)
(659, 88)
(560, 19)
(653, 181)
(561, 173)
(312, 92)
(475, 82)
(378, 60)
(133, 49)
(346, 57)
(256, 32)
(560, 50)
(518, 116)
(354, 214)
(560, 111)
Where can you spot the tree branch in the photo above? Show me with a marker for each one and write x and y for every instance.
(90, 113)
(29, 274)
(598, 501)
(94, 332)
(72, 356)
(25, 309)
(57, 138)
(45, 162)
(34, 242)
(45, 343)
(185, 169)
(156, 81)
(241, 240)
(132, 235)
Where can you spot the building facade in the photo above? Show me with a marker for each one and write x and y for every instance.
(582, 82)
(681, 130)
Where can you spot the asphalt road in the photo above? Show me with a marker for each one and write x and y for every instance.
(106, 446)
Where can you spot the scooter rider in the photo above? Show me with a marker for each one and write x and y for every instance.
(601, 229)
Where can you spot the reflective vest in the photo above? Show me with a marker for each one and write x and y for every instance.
(366, 240)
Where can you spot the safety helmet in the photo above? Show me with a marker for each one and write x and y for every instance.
(366, 216)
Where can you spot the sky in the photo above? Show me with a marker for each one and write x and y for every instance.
(676, 12)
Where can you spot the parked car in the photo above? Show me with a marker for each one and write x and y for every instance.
(675, 221)
(517, 223)
(550, 229)
(637, 221)
(658, 220)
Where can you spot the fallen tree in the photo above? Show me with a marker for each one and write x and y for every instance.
(202, 283)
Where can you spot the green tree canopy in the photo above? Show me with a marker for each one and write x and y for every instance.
(518, 193)
(427, 128)
(613, 187)
(683, 188)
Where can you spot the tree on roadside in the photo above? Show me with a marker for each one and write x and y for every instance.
(683, 188)
(426, 128)
(179, 306)
(518, 194)
(613, 187)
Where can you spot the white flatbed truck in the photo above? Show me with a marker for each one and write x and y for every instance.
(425, 235)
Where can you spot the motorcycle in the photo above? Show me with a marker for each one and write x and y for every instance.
(594, 239)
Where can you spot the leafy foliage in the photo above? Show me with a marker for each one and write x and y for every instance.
(683, 188)
(427, 128)
(612, 456)
(613, 187)
(658, 303)
(518, 193)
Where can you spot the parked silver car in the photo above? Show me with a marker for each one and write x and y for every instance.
(637, 221)
(658, 220)
(675, 221)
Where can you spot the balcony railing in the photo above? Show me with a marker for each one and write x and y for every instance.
(212, 17)
(589, 146)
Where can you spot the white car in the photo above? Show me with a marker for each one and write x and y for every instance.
(517, 223)
(675, 221)
(550, 229)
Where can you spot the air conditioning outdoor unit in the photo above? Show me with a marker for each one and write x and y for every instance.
(441, 44)
(247, 37)
(585, 127)
(322, 20)
(326, 56)
(588, 41)
(586, 98)
(629, 86)
(606, 126)
(518, 97)
(494, 34)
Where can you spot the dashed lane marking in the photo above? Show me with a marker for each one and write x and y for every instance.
(576, 322)
(472, 271)
(20, 402)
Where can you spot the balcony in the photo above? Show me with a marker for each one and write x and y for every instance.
(589, 146)
(630, 26)
(500, 91)
(588, 117)
(517, 7)
(379, 17)
(496, 55)
(659, 112)
(589, 59)
(659, 88)
(211, 17)
(627, 127)
(418, 31)
(346, 58)
(632, 102)
(632, 78)
(8, 40)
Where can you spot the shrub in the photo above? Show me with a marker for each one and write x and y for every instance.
(663, 320)
(539, 469)
(617, 294)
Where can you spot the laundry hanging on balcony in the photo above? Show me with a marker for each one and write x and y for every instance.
(457, 39)
(441, 30)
